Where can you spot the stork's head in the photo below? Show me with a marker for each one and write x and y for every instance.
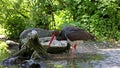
(54, 33)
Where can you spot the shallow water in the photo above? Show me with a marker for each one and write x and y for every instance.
(82, 59)
(65, 61)
(68, 64)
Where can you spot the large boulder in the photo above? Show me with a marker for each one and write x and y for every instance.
(41, 33)
(44, 38)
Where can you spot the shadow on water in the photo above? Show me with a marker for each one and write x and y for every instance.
(61, 61)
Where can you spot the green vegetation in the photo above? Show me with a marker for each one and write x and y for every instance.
(100, 17)
(3, 51)
(2, 30)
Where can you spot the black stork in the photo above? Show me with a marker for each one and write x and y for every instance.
(71, 33)
(74, 33)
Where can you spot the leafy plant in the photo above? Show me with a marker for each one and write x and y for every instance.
(99, 17)
(14, 26)
(3, 51)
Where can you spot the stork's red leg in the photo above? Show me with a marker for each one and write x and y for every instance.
(73, 49)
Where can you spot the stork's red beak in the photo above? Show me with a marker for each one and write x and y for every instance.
(52, 37)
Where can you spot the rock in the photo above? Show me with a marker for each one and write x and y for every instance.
(12, 45)
(32, 64)
(43, 39)
(41, 33)
(12, 61)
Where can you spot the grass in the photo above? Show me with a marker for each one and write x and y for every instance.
(3, 51)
